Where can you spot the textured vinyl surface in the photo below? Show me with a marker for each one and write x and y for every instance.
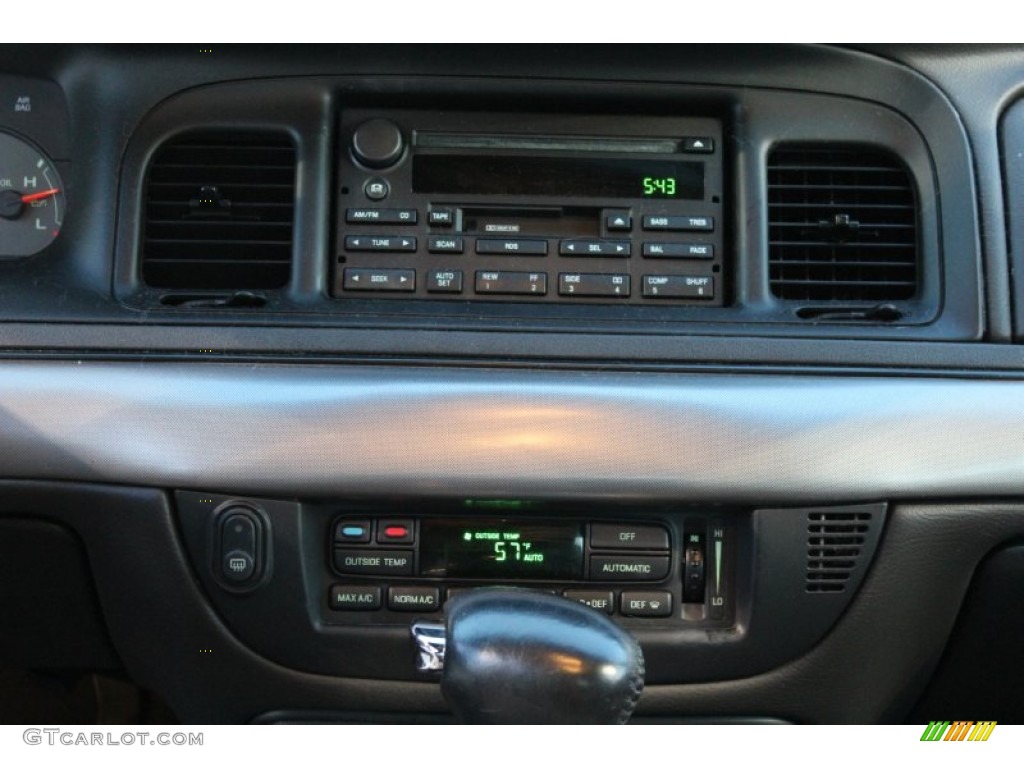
(314, 430)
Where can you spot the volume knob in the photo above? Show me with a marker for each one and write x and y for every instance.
(377, 143)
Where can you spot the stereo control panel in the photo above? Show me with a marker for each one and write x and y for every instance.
(530, 208)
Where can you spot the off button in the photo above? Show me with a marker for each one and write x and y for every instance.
(627, 536)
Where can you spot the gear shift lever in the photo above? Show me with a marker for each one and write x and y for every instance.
(519, 656)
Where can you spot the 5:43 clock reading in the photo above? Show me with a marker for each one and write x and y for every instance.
(659, 186)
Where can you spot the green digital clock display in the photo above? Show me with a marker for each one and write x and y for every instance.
(659, 187)
(501, 549)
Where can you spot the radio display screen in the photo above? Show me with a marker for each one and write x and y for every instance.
(501, 549)
(557, 176)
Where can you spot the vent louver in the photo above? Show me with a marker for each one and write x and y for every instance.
(835, 543)
(842, 225)
(219, 211)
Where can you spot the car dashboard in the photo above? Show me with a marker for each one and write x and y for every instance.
(722, 342)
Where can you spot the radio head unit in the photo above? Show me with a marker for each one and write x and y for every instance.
(530, 208)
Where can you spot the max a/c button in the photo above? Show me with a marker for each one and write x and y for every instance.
(354, 598)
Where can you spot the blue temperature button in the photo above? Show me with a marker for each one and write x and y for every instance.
(352, 531)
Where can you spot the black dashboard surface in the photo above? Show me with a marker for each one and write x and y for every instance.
(121, 393)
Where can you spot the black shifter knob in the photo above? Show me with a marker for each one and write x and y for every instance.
(517, 656)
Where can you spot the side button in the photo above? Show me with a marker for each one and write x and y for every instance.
(345, 597)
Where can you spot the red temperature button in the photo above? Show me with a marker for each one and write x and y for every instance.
(395, 532)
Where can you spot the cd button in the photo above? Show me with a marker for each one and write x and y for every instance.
(381, 216)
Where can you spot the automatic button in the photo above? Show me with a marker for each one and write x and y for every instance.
(374, 562)
(646, 604)
(628, 568)
(627, 536)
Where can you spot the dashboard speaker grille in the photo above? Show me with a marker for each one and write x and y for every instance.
(219, 212)
(842, 224)
(835, 544)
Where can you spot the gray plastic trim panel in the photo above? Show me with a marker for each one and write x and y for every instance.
(340, 430)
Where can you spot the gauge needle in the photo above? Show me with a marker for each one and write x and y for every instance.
(39, 195)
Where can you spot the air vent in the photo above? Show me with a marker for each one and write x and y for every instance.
(842, 225)
(219, 212)
(835, 544)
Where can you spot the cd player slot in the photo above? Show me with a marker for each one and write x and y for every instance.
(430, 140)
(519, 221)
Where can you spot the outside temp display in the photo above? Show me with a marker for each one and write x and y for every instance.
(501, 549)
(557, 176)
